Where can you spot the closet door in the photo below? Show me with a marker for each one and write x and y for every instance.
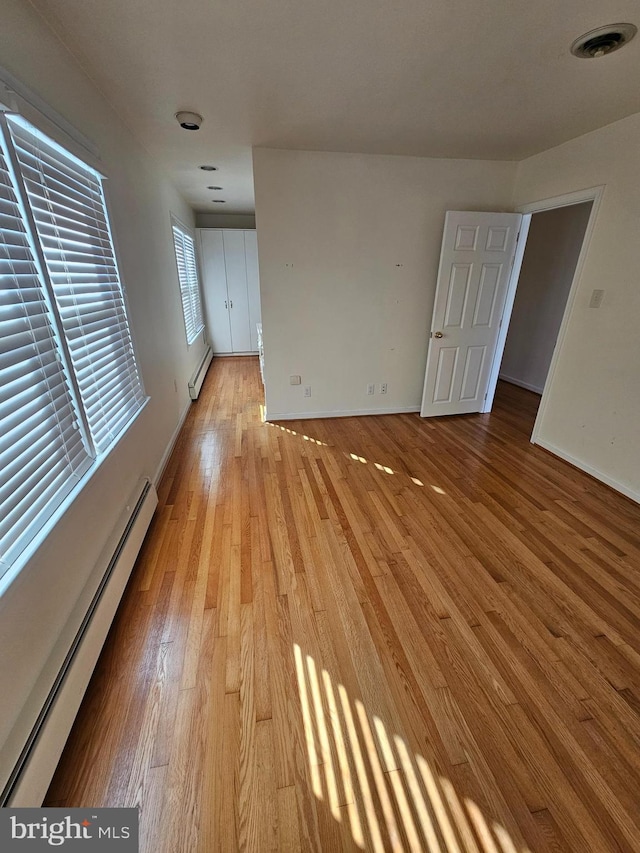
(236, 269)
(253, 285)
(216, 300)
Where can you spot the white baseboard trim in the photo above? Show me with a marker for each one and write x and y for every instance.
(535, 388)
(234, 354)
(31, 777)
(340, 413)
(625, 490)
(197, 380)
(171, 445)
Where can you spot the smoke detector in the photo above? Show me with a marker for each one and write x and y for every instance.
(604, 40)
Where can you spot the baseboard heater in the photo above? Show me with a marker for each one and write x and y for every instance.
(195, 383)
(36, 765)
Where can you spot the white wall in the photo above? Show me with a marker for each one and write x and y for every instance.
(553, 246)
(592, 411)
(229, 220)
(349, 247)
(44, 603)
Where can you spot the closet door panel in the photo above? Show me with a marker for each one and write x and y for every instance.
(214, 280)
(253, 285)
(236, 268)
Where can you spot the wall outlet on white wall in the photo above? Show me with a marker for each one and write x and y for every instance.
(596, 299)
(307, 390)
(371, 388)
(383, 387)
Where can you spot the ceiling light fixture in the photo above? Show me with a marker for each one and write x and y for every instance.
(604, 40)
(208, 168)
(189, 121)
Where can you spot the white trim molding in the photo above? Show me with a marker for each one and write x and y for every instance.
(592, 194)
(616, 485)
(341, 413)
(526, 385)
(172, 443)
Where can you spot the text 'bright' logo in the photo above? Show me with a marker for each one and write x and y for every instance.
(54, 832)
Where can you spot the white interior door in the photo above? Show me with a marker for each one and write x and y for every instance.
(235, 264)
(216, 301)
(475, 267)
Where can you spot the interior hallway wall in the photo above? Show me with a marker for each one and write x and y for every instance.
(591, 414)
(551, 254)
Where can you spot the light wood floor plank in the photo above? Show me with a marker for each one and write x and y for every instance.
(380, 633)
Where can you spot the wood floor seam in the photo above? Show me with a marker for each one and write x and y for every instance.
(370, 633)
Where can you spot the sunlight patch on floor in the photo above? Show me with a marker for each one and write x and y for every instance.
(302, 435)
(393, 798)
(385, 469)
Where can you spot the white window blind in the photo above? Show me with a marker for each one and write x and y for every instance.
(68, 207)
(189, 285)
(69, 381)
(42, 454)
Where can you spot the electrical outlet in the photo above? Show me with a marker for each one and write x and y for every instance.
(596, 299)
(295, 379)
(383, 387)
(371, 388)
(307, 390)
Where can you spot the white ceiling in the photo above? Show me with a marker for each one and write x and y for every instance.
(439, 78)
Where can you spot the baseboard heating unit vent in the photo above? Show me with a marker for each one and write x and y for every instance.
(195, 383)
(32, 773)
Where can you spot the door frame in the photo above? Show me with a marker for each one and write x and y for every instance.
(592, 194)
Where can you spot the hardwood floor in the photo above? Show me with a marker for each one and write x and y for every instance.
(376, 633)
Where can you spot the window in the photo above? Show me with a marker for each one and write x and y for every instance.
(69, 382)
(189, 285)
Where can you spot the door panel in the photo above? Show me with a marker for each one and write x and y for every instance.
(236, 267)
(215, 291)
(253, 285)
(458, 294)
(475, 267)
(447, 359)
(472, 373)
(487, 294)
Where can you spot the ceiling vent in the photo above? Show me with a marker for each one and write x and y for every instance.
(602, 41)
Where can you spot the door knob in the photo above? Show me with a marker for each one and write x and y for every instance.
(438, 335)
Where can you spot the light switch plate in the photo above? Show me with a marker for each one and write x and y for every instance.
(596, 299)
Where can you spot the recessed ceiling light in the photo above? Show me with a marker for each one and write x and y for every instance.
(189, 121)
(214, 188)
(218, 201)
(208, 168)
(604, 40)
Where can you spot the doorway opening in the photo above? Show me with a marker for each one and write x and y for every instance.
(551, 254)
(481, 259)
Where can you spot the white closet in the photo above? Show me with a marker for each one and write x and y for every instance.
(229, 260)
